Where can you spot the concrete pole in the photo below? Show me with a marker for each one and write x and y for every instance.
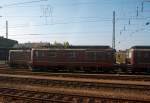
(6, 29)
(113, 38)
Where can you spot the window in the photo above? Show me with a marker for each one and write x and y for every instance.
(130, 54)
(42, 54)
(138, 54)
(39, 54)
(71, 54)
(91, 55)
(52, 54)
(36, 54)
(146, 55)
(101, 56)
(109, 54)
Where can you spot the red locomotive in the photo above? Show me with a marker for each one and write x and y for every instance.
(139, 59)
(82, 58)
(19, 58)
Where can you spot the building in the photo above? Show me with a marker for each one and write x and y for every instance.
(32, 45)
(121, 57)
(7, 43)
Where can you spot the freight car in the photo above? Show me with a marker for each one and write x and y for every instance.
(19, 58)
(139, 59)
(76, 58)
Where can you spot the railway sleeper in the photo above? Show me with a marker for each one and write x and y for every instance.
(63, 98)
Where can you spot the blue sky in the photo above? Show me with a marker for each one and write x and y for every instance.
(80, 22)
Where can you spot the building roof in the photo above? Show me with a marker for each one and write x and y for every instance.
(7, 43)
(32, 45)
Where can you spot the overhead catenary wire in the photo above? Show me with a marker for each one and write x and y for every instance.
(70, 22)
(60, 23)
(59, 33)
(21, 3)
(136, 18)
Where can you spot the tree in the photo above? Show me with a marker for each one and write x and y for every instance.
(66, 44)
(61, 45)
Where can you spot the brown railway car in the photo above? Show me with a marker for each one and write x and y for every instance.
(139, 58)
(19, 58)
(85, 58)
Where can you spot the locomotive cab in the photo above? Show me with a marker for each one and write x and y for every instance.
(140, 58)
(19, 58)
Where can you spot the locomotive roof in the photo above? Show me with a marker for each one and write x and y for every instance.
(55, 49)
(90, 47)
(85, 47)
(20, 50)
(74, 49)
(140, 47)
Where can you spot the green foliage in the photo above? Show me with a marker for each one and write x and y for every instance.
(61, 45)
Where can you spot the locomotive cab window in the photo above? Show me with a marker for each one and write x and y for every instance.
(130, 54)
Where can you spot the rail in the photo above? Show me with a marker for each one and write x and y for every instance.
(45, 97)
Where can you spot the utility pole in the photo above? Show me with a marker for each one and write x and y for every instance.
(142, 6)
(113, 37)
(137, 11)
(6, 29)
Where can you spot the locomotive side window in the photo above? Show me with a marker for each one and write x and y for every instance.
(100, 55)
(110, 54)
(91, 55)
(39, 54)
(42, 54)
(138, 54)
(146, 55)
(52, 54)
(71, 55)
(36, 54)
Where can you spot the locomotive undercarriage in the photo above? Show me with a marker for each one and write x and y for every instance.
(74, 69)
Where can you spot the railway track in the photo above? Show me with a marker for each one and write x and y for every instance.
(6, 70)
(82, 84)
(45, 97)
(22, 85)
(71, 83)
